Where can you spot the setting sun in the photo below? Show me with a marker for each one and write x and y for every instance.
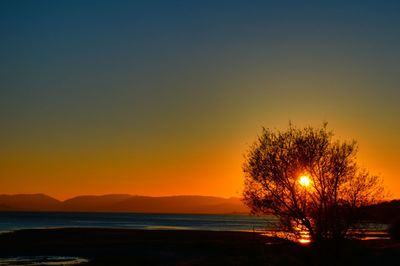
(304, 181)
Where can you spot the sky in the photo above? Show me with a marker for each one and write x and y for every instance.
(165, 97)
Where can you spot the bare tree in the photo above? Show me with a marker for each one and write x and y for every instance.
(309, 180)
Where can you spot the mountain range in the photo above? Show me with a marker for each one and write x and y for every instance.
(123, 203)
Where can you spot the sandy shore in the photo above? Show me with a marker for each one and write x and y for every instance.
(180, 247)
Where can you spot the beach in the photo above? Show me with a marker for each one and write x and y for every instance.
(186, 247)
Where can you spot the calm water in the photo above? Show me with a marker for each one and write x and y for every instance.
(27, 220)
(11, 221)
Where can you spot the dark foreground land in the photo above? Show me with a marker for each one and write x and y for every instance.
(153, 247)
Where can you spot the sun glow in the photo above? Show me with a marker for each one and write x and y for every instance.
(304, 181)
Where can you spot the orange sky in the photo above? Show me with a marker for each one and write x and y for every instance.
(164, 99)
(209, 169)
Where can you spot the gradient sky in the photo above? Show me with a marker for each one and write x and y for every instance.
(164, 97)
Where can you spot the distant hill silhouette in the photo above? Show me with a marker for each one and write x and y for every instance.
(123, 203)
(28, 202)
(384, 212)
(93, 203)
(181, 204)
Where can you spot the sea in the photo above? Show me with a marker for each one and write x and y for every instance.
(11, 221)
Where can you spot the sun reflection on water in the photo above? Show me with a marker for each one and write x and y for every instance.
(302, 237)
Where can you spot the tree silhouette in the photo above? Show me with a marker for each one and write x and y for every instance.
(309, 180)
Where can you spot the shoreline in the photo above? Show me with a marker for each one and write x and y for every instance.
(135, 247)
(102, 246)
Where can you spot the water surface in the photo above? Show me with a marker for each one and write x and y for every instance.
(10, 221)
